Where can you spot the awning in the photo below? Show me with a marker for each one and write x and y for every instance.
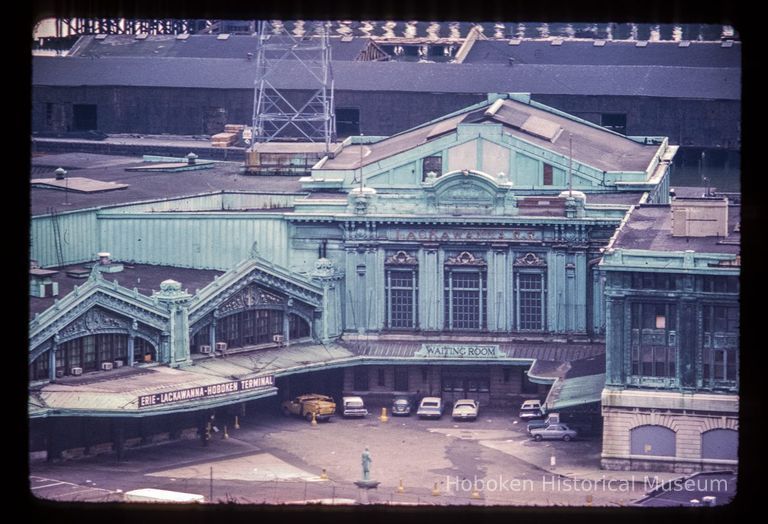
(582, 383)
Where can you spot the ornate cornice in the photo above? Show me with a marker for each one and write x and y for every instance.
(465, 258)
(401, 258)
(530, 259)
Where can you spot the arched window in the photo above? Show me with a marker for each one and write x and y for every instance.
(252, 327)
(653, 441)
(722, 444)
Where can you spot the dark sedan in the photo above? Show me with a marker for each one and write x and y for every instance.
(401, 406)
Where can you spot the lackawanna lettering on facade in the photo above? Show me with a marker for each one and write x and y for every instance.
(206, 391)
(464, 234)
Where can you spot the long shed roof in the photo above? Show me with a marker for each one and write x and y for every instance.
(566, 79)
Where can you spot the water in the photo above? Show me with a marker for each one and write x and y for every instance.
(722, 168)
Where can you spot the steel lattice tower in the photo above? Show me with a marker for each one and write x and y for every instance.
(305, 60)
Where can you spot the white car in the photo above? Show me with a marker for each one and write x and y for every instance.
(531, 409)
(465, 409)
(353, 407)
(430, 407)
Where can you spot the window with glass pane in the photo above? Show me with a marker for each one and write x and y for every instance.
(654, 346)
(530, 295)
(465, 301)
(432, 163)
(89, 353)
(402, 298)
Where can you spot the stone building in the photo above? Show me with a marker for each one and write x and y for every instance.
(671, 397)
(458, 258)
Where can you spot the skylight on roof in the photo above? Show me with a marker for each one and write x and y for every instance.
(542, 128)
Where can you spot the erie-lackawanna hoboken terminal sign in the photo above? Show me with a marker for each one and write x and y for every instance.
(212, 390)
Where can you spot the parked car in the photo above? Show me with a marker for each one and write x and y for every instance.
(430, 407)
(552, 418)
(401, 406)
(465, 409)
(353, 407)
(322, 406)
(531, 409)
(553, 432)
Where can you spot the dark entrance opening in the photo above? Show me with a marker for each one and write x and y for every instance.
(347, 121)
(84, 117)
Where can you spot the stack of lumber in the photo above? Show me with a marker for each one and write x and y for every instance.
(223, 139)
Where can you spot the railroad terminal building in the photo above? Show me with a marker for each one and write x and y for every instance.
(462, 258)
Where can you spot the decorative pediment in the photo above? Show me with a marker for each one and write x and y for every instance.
(530, 259)
(465, 258)
(401, 258)
(250, 297)
(251, 284)
(94, 320)
(469, 191)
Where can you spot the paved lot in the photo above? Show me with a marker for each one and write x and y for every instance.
(274, 459)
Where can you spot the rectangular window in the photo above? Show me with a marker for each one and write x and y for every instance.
(433, 164)
(360, 378)
(84, 117)
(465, 298)
(402, 298)
(530, 301)
(654, 344)
(401, 378)
(347, 121)
(614, 121)
(547, 175)
(89, 352)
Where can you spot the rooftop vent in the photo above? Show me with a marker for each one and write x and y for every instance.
(41, 284)
(106, 265)
(699, 217)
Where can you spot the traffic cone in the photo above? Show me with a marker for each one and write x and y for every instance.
(401, 488)
(383, 416)
(237, 423)
(475, 493)
(324, 475)
(435, 491)
(314, 420)
(226, 435)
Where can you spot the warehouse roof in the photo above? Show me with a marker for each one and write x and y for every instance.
(196, 46)
(144, 186)
(609, 52)
(222, 73)
(594, 146)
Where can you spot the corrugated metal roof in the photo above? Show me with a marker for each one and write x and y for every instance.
(196, 46)
(220, 73)
(696, 54)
